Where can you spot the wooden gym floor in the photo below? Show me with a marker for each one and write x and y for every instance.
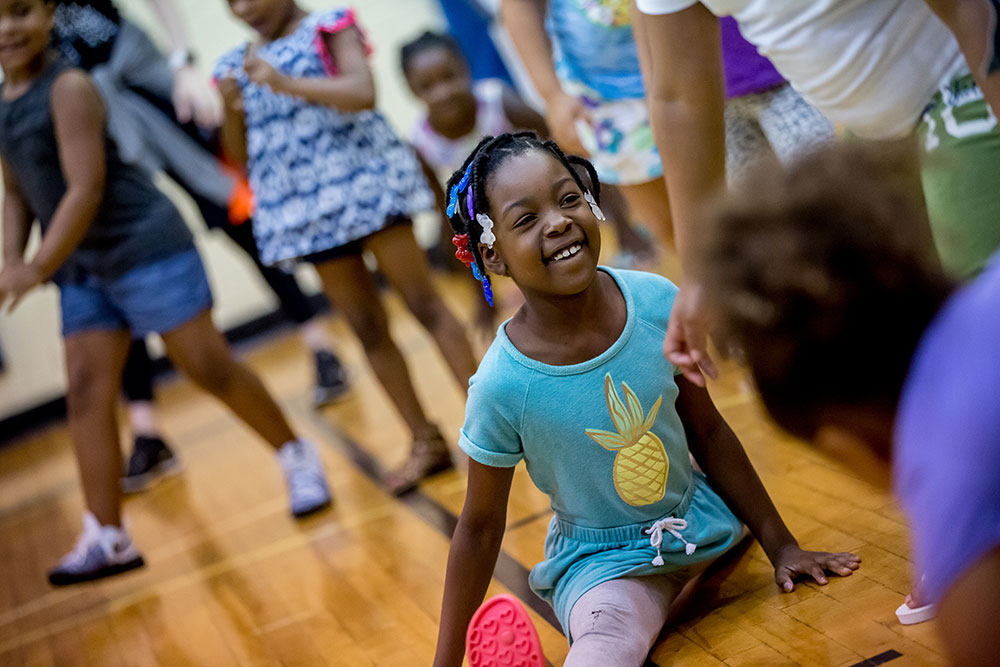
(231, 579)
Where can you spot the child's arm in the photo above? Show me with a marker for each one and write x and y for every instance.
(352, 89)
(719, 453)
(15, 276)
(521, 115)
(473, 555)
(234, 127)
(78, 117)
(681, 59)
(525, 21)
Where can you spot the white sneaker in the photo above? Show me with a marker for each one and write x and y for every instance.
(305, 478)
(102, 551)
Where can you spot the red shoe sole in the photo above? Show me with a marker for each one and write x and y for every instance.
(501, 634)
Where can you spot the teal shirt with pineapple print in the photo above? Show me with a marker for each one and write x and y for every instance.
(603, 440)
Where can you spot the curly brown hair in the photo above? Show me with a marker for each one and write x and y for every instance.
(823, 277)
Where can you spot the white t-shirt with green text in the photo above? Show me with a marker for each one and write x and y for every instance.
(871, 66)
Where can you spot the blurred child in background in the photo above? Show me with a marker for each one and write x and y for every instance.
(331, 180)
(126, 266)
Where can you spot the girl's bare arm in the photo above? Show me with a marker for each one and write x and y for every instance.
(473, 555)
(16, 218)
(234, 129)
(78, 117)
(732, 476)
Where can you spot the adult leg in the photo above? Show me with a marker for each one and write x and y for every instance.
(201, 353)
(616, 623)
(405, 266)
(650, 205)
(94, 362)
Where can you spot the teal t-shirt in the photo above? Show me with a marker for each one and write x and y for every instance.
(578, 427)
(603, 440)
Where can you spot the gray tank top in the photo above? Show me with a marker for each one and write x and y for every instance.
(136, 223)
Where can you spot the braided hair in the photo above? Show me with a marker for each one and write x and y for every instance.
(474, 175)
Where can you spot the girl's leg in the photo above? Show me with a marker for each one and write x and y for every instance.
(151, 458)
(94, 362)
(137, 383)
(201, 353)
(649, 205)
(331, 377)
(616, 623)
(404, 264)
(352, 291)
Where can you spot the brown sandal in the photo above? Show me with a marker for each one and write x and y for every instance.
(429, 455)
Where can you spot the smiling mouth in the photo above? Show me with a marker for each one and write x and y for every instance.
(567, 252)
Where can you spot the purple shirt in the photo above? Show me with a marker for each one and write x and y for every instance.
(747, 72)
(946, 460)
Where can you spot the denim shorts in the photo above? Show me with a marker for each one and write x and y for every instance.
(153, 298)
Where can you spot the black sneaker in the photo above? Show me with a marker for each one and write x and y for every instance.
(331, 379)
(151, 461)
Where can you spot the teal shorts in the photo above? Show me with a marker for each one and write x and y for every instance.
(959, 143)
(578, 558)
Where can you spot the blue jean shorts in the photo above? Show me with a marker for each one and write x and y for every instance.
(154, 298)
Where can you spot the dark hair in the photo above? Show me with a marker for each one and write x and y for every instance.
(428, 40)
(485, 159)
(823, 277)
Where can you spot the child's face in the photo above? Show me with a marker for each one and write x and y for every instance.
(24, 31)
(441, 80)
(266, 17)
(547, 237)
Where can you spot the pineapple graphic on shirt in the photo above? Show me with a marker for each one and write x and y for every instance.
(641, 463)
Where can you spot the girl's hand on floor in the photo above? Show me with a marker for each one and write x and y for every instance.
(792, 562)
(16, 280)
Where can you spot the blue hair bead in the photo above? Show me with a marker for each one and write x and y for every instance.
(475, 273)
(455, 191)
(487, 291)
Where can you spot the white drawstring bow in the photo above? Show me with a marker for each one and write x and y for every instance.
(672, 525)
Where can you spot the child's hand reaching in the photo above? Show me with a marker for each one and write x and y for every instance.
(16, 280)
(563, 113)
(792, 562)
(261, 72)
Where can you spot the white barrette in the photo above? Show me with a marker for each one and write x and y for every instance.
(594, 208)
(487, 237)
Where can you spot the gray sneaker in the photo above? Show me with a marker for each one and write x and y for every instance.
(305, 478)
(102, 551)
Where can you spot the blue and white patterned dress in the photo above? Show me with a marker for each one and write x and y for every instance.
(321, 177)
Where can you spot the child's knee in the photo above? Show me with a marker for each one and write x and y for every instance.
(608, 635)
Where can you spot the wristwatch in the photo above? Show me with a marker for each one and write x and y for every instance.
(180, 58)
